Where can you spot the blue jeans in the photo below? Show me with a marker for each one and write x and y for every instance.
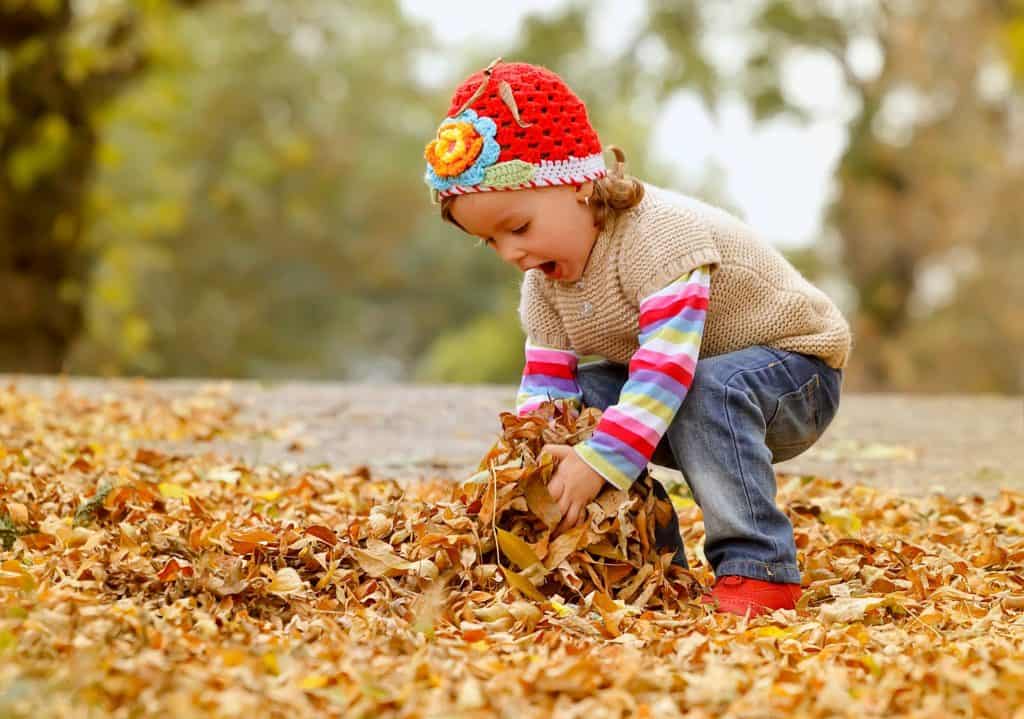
(744, 411)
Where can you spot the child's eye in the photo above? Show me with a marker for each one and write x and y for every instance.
(521, 230)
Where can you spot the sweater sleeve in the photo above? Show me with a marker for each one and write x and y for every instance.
(549, 374)
(660, 375)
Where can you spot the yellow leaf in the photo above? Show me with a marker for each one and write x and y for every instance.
(233, 657)
(270, 495)
(313, 681)
(869, 661)
(771, 631)
(172, 491)
(516, 549)
(843, 520)
(518, 581)
(560, 609)
(681, 502)
(270, 662)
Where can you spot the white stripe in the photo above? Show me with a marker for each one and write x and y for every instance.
(642, 416)
(663, 346)
(570, 167)
(530, 345)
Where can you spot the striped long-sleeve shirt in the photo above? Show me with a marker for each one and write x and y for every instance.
(660, 375)
(549, 374)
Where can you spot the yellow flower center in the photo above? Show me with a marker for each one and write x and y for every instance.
(455, 149)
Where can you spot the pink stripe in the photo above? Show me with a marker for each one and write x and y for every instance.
(658, 358)
(530, 406)
(638, 428)
(550, 355)
(692, 290)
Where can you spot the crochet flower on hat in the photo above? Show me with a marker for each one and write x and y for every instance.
(512, 126)
(464, 148)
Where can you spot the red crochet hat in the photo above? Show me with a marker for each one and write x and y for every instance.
(512, 126)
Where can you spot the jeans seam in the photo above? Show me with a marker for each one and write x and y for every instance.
(769, 569)
(743, 476)
(791, 377)
(732, 433)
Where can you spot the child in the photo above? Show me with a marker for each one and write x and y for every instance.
(646, 278)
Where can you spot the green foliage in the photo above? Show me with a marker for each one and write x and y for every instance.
(41, 155)
(282, 227)
(61, 62)
(86, 512)
(8, 532)
(487, 350)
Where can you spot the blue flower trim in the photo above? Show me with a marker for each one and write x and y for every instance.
(474, 174)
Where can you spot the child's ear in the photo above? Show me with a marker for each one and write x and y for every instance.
(584, 191)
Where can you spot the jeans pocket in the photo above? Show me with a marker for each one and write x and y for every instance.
(794, 423)
(828, 398)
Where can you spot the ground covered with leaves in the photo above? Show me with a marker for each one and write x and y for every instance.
(136, 582)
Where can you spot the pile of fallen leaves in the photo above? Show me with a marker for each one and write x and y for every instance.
(611, 555)
(139, 582)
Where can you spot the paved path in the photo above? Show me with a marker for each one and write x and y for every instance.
(913, 444)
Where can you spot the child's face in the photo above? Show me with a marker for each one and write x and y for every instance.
(546, 227)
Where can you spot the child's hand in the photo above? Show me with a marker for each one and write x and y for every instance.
(573, 485)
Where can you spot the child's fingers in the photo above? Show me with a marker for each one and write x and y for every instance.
(565, 504)
(558, 451)
(556, 488)
(570, 517)
(573, 516)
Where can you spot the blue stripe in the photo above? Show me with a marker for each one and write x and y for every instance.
(667, 383)
(617, 453)
(669, 399)
(540, 383)
(678, 322)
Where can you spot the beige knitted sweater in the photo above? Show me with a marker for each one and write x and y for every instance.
(757, 296)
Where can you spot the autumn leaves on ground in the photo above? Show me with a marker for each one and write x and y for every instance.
(134, 582)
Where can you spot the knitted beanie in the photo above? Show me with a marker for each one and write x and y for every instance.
(512, 126)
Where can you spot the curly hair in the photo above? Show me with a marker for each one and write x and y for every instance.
(613, 193)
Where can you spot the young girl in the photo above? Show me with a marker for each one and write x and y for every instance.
(650, 280)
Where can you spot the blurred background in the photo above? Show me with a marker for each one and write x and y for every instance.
(234, 189)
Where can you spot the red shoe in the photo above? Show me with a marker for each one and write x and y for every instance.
(738, 595)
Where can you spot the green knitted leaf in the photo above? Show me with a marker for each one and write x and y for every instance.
(506, 174)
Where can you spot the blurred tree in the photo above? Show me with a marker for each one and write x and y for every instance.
(59, 63)
(925, 207)
(258, 208)
(261, 209)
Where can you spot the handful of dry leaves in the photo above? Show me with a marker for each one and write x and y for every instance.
(613, 552)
